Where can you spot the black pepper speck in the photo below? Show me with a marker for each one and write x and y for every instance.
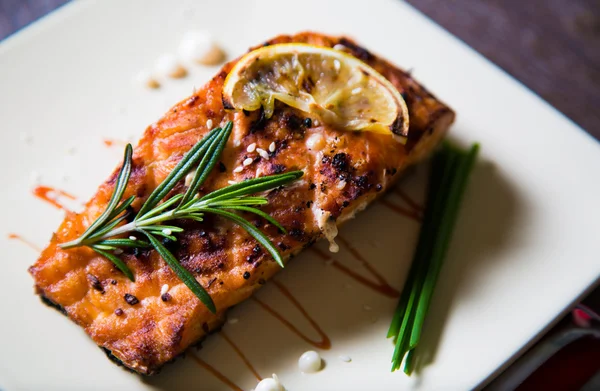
(131, 299)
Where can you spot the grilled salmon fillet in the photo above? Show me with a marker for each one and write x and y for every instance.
(343, 172)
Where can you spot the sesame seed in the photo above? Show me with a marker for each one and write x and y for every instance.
(167, 231)
(357, 90)
(316, 123)
(272, 147)
(232, 321)
(132, 238)
(262, 153)
(329, 262)
(341, 185)
(339, 46)
(189, 178)
(232, 182)
(164, 289)
(238, 169)
(248, 161)
(71, 150)
(367, 307)
(209, 123)
(118, 251)
(337, 65)
(251, 147)
(345, 358)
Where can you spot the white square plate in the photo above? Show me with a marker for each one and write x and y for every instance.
(526, 247)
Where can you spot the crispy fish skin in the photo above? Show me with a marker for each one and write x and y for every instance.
(223, 257)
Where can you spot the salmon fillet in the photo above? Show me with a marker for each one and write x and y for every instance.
(130, 320)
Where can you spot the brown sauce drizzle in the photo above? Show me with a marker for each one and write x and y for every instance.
(408, 199)
(24, 241)
(401, 211)
(241, 355)
(52, 196)
(324, 343)
(113, 143)
(213, 371)
(381, 286)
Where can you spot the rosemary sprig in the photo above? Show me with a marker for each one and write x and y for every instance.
(106, 234)
(450, 171)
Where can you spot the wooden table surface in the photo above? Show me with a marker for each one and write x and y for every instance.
(551, 46)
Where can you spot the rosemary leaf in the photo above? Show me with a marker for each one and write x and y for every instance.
(179, 172)
(252, 230)
(207, 164)
(116, 260)
(260, 213)
(123, 243)
(121, 184)
(252, 186)
(122, 207)
(185, 276)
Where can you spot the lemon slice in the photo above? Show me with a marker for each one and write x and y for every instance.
(336, 87)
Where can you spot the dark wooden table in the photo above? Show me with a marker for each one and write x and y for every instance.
(551, 46)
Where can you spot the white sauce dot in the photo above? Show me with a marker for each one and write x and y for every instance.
(164, 289)
(168, 66)
(198, 46)
(269, 384)
(310, 362)
(145, 79)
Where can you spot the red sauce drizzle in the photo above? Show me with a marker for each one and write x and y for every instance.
(324, 343)
(241, 355)
(24, 241)
(381, 286)
(111, 142)
(215, 373)
(52, 196)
